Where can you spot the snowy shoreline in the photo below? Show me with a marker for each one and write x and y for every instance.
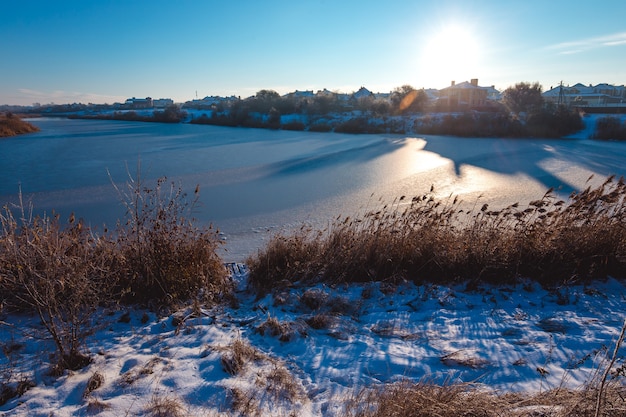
(521, 339)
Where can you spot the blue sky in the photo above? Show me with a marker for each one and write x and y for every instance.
(106, 51)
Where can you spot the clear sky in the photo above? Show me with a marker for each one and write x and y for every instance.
(106, 51)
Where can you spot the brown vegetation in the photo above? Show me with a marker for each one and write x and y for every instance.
(407, 399)
(602, 396)
(274, 385)
(164, 255)
(165, 407)
(63, 273)
(425, 240)
(11, 125)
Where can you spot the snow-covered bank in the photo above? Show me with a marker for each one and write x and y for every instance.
(313, 348)
(590, 121)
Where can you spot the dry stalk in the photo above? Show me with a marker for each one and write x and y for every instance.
(618, 345)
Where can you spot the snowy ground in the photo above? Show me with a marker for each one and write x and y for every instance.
(315, 347)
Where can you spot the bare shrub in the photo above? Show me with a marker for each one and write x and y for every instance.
(342, 305)
(60, 273)
(13, 383)
(63, 272)
(320, 127)
(166, 257)
(244, 401)
(610, 128)
(10, 390)
(293, 126)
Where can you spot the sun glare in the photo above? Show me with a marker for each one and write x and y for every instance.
(451, 52)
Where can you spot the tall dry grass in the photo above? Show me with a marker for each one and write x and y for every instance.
(60, 273)
(427, 240)
(64, 271)
(422, 399)
(165, 256)
(11, 125)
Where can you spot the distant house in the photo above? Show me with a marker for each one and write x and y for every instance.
(334, 95)
(493, 94)
(139, 103)
(210, 102)
(580, 95)
(362, 93)
(464, 95)
(300, 94)
(162, 103)
(431, 93)
(382, 96)
(325, 92)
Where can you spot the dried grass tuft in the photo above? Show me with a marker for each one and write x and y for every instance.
(272, 326)
(94, 382)
(165, 407)
(237, 355)
(95, 406)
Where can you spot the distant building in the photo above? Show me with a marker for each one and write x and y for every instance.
(493, 94)
(300, 94)
(431, 93)
(464, 95)
(382, 96)
(139, 103)
(325, 93)
(362, 93)
(580, 95)
(161, 103)
(210, 102)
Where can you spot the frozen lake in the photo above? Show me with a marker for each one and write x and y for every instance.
(256, 182)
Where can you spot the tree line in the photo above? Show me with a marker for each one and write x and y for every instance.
(522, 112)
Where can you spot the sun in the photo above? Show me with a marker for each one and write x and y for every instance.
(452, 52)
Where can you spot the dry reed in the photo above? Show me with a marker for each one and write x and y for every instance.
(422, 399)
(427, 240)
(64, 272)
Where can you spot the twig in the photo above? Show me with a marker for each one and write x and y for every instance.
(618, 345)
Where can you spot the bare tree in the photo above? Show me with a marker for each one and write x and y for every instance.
(523, 97)
(407, 99)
